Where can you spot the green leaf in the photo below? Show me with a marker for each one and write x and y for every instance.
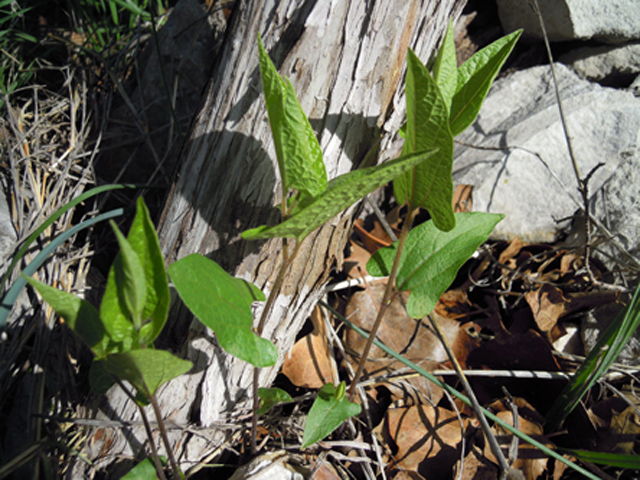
(445, 67)
(431, 258)
(223, 303)
(340, 194)
(130, 280)
(113, 312)
(144, 242)
(146, 369)
(429, 184)
(619, 460)
(601, 357)
(271, 397)
(475, 77)
(80, 315)
(327, 413)
(99, 379)
(297, 148)
(145, 470)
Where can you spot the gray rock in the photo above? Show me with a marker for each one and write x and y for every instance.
(635, 86)
(523, 168)
(612, 21)
(606, 65)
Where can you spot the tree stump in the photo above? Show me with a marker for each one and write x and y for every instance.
(346, 61)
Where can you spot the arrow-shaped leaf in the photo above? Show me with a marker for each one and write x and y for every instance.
(445, 67)
(340, 194)
(297, 148)
(429, 185)
(475, 77)
(223, 303)
(144, 242)
(431, 258)
(330, 409)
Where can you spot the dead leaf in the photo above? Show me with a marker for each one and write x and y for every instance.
(427, 438)
(548, 305)
(626, 426)
(310, 364)
(462, 198)
(511, 251)
(374, 240)
(476, 466)
(325, 471)
(403, 334)
(531, 461)
(408, 475)
(355, 265)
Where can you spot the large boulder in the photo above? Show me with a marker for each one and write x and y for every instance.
(606, 64)
(612, 21)
(522, 167)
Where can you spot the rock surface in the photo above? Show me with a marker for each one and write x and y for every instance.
(523, 168)
(605, 20)
(606, 65)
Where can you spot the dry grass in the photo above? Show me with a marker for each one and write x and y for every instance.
(47, 158)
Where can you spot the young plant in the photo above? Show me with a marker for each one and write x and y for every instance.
(307, 202)
(132, 314)
(425, 260)
(438, 107)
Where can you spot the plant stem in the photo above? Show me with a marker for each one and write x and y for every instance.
(491, 439)
(273, 294)
(147, 427)
(389, 292)
(165, 439)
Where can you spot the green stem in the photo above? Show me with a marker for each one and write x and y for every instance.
(165, 439)
(147, 427)
(273, 294)
(389, 291)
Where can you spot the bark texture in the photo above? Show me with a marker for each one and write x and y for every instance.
(346, 61)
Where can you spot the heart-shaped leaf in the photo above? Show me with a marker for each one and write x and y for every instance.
(146, 369)
(330, 409)
(340, 194)
(431, 258)
(271, 397)
(223, 303)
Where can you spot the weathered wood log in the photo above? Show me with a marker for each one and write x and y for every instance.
(346, 61)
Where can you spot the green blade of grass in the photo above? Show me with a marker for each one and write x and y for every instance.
(49, 221)
(12, 295)
(462, 397)
(619, 460)
(597, 362)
